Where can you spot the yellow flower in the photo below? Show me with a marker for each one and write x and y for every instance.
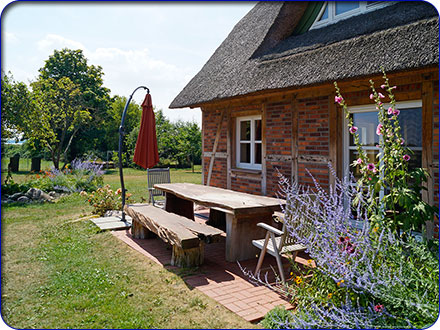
(298, 280)
(340, 282)
(310, 262)
(291, 273)
(330, 295)
(375, 229)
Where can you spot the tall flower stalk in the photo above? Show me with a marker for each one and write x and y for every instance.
(402, 208)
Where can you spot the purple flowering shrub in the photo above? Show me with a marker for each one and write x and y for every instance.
(364, 277)
(80, 175)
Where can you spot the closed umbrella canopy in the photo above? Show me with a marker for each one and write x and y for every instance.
(145, 153)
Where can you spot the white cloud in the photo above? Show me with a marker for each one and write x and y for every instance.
(126, 69)
(54, 41)
(11, 38)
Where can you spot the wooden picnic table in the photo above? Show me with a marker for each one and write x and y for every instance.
(242, 212)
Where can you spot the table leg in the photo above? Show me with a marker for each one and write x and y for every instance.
(240, 231)
(183, 207)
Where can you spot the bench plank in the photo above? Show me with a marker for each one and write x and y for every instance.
(167, 226)
(173, 228)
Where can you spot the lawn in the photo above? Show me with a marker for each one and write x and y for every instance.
(61, 273)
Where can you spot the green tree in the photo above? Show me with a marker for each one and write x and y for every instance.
(15, 105)
(58, 111)
(189, 140)
(114, 114)
(72, 64)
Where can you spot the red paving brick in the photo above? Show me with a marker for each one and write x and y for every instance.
(221, 280)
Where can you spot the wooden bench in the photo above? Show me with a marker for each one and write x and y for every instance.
(186, 236)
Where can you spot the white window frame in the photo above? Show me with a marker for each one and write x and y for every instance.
(370, 108)
(333, 18)
(252, 165)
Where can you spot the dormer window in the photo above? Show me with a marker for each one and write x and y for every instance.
(334, 11)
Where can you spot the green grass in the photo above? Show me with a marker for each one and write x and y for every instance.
(61, 273)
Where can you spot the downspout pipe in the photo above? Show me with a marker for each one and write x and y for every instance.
(121, 135)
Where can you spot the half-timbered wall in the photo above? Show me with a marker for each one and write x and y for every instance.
(302, 131)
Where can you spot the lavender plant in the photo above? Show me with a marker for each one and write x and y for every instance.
(364, 277)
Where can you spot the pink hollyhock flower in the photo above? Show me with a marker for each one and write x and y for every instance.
(406, 158)
(381, 96)
(380, 104)
(371, 96)
(378, 308)
(396, 112)
(353, 129)
(402, 141)
(371, 167)
(383, 86)
(359, 161)
(379, 129)
(338, 99)
(390, 110)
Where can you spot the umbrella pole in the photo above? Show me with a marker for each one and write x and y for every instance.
(121, 134)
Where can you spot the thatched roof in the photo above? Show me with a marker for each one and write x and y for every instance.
(260, 53)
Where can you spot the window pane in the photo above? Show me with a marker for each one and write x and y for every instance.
(257, 153)
(245, 153)
(411, 126)
(324, 15)
(344, 6)
(245, 130)
(258, 130)
(366, 122)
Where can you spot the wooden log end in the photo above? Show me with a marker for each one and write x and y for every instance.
(191, 257)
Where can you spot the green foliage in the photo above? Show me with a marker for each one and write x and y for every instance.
(275, 317)
(58, 113)
(403, 201)
(15, 104)
(94, 97)
(105, 199)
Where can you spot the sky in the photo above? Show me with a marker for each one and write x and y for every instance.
(161, 45)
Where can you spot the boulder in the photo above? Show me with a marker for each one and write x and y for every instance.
(38, 195)
(16, 196)
(23, 199)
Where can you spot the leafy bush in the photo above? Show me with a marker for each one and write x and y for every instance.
(105, 199)
(80, 175)
(275, 318)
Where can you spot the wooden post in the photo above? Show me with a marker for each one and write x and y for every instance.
(214, 149)
(203, 145)
(263, 150)
(191, 257)
(139, 231)
(180, 206)
(294, 143)
(229, 151)
(427, 135)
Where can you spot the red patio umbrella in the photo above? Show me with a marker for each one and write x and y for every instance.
(145, 153)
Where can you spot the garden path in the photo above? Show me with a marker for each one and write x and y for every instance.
(219, 279)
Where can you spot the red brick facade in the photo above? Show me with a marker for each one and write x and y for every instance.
(294, 153)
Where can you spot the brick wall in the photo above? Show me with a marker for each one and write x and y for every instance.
(219, 169)
(313, 140)
(278, 144)
(435, 150)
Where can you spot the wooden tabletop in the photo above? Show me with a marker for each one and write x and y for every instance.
(233, 201)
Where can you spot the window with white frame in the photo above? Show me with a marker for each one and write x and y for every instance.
(334, 11)
(249, 142)
(365, 118)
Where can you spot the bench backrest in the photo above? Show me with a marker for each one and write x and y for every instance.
(157, 176)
